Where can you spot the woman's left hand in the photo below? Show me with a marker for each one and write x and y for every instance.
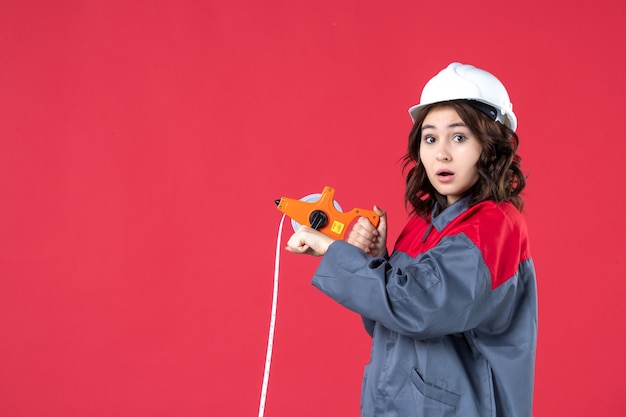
(370, 239)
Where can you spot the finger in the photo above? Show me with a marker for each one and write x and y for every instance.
(365, 243)
(359, 240)
(364, 233)
(297, 249)
(297, 242)
(367, 225)
(363, 227)
(382, 214)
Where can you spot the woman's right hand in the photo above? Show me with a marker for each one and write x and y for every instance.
(370, 239)
(308, 241)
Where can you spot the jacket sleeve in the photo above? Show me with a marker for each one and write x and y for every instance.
(444, 291)
(369, 325)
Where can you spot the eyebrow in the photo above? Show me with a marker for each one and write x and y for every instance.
(450, 126)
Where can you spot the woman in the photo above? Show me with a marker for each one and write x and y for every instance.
(453, 311)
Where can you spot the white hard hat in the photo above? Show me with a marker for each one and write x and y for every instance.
(466, 82)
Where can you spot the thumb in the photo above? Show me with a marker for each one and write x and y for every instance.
(382, 214)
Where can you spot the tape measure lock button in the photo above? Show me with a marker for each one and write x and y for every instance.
(318, 219)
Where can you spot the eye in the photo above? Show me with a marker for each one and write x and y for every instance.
(458, 138)
(429, 139)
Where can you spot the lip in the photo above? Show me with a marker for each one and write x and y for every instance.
(448, 177)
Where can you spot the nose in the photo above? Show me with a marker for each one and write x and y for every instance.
(442, 152)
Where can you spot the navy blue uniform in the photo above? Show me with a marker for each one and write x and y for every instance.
(452, 313)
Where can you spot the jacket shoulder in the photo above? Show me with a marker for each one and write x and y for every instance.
(499, 231)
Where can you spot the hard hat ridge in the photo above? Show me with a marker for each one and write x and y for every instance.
(465, 82)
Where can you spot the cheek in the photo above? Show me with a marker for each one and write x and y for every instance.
(426, 160)
(474, 167)
(425, 155)
(473, 157)
(469, 165)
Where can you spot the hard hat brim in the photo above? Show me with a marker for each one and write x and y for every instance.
(509, 120)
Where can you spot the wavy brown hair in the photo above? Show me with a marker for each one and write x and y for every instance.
(500, 176)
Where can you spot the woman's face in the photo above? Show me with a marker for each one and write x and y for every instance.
(449, 152)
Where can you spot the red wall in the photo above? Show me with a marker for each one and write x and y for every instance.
(142, 145)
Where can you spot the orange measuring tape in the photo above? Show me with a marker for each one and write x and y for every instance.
(322, 214)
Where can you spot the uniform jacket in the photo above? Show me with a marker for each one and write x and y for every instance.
(452, 313)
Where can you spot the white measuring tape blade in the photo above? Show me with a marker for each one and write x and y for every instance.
(270, 338)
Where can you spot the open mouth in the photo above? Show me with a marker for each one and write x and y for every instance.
(445, 176)
(444, 173)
